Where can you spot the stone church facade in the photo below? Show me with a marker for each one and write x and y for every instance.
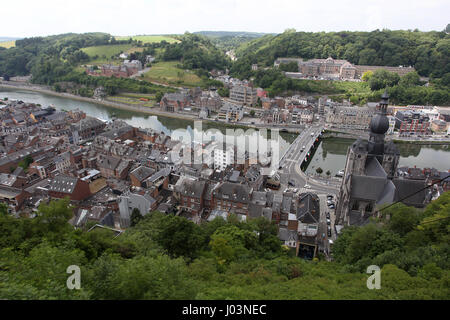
(370, 178)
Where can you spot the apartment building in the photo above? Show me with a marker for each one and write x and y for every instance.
(245, 95)
(231, 112)
(412, 122)
(223, 157)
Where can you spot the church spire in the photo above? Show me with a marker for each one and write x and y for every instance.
(379, 125)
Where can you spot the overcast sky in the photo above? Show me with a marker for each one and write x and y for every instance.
(25, 18)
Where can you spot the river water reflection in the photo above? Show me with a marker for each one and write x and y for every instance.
(251, 138)
(331, 155)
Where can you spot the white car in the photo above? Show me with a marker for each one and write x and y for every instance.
(307, 186)
(295, 190)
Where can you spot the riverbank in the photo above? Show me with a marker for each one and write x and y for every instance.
(111, 104)
(127, 107)
(330, 134)
(423, 142)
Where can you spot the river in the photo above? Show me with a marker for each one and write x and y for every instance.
(330, 155)
(141, 120)
(332, 152)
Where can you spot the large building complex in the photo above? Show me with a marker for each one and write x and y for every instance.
(335, 69)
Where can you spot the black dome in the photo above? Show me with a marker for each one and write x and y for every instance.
(379, 124)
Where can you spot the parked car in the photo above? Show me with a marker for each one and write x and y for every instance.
(295, 190)
(328, 222)
(331, 206)
(328, 215)
(291, 183)
(329, 233)
(329, 197)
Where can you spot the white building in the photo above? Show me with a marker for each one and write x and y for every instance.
(62, 161)
(433, 114)
(223, 157)
(133, 64)
(129, 201)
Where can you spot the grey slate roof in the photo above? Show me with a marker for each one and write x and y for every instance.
(233, 191)
(374, 168)
(64, 184)
(406, 187)
(388, 194)
(141, 173)
(255, 210)
(285, 234)
(108, 162)
(191, 188)
(367, 187)
(161, 173)
(9, 192)
(308, 210)
(287, 202)
(259, 197)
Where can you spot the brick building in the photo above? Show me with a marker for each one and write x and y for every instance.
(65, 186)
(174, 102)
(412, 122)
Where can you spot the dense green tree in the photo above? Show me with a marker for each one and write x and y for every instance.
(402, 219)
(234, 259)
(289, 67)
(136, 216)
(179, 236)
(426, 51)
(382, 79)
(410, 79)
(224, 92)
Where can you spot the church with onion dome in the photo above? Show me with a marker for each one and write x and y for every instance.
(370, 177)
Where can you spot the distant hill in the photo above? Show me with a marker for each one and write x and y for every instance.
(428, 52)
(2, 39)
(219, 34)
(230, 40)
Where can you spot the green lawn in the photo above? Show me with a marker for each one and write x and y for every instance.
(353, 87)
(8, 44)
(133, 99)
(166, 72)
(149, 38)
(107, 50)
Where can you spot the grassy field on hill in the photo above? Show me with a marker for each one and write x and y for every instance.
(167, 72)
(149, 38)
(8, 44)
(134, 99)
(107, 50)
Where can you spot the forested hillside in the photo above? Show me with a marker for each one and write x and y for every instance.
(56, 54)
(196, 52)
(57, 58)
(228, 40)
(168, 257)
(428, 52)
